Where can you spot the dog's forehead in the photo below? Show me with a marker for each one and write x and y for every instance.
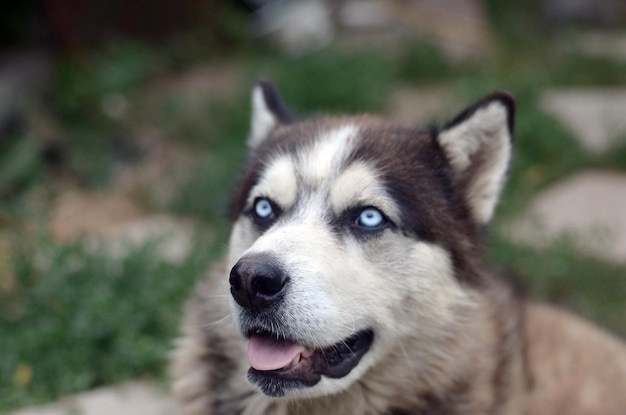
(348, 159)
(318, 168)
(325, 171)
(324, 148)
(325, 157)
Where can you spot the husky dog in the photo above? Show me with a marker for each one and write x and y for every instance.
(355, 282)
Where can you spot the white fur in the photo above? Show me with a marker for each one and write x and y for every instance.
(240, 237)
(263, 121)
(486, 131)
(358, 185)
(327, 154)
(278, 182)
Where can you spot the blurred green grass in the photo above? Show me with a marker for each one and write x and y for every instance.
(72, 319)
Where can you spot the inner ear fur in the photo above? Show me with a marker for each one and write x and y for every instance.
(478, 145)
(268, 111)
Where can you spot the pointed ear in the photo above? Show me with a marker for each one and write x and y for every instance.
(268, 111)
(478, 145)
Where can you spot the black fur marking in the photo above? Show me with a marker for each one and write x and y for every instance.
(417, 176)
(415, 171)
(246, 180)
(274, 102)
(504, 97)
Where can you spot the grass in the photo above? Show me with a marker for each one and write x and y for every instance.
(89, 99)
(614, 159)
(20, 166)
(72, 318)
(331, 80)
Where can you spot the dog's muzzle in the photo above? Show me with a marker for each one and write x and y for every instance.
(279, 362)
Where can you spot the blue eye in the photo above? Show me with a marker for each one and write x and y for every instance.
(263, 208)
(370, 218)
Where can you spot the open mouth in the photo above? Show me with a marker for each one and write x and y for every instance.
(279, 365)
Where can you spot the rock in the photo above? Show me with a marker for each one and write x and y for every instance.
(364, 14)
(594, 115)
(589, 208)
(172, 237)
(459, 27)
(111, 224)
(129, 399)
(79, 214)
(415, 106)
(297, 26)
(192, 89)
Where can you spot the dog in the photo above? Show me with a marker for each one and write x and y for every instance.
(355, 282)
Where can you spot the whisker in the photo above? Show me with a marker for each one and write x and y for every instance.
(215, 323)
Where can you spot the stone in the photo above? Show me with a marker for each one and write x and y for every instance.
(589, 208)
(111, 223)
(191, 90)
(415, 106)
(78, 213)
(133, 398)
(173, 237)
(459, 27)
(594, 115)
(364, 14)
(296, 26)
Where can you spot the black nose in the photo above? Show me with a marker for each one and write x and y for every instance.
(257, 282)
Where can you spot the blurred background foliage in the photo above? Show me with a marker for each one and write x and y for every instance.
(148, 101)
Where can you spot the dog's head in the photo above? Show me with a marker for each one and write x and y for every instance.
(352, 236)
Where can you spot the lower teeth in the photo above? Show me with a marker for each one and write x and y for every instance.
(296, 360)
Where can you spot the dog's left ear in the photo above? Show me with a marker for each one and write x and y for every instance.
(478, 144)
(268, 111)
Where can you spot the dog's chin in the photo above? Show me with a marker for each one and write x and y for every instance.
(309, 365)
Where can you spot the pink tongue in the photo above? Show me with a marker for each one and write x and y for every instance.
(268, 353)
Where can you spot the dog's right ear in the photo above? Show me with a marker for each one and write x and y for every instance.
(268, 111)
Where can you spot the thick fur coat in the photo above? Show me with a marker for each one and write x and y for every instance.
(355, 282)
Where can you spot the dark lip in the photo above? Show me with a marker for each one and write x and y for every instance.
(335, 362)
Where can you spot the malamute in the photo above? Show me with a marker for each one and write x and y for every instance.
(355, 282)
